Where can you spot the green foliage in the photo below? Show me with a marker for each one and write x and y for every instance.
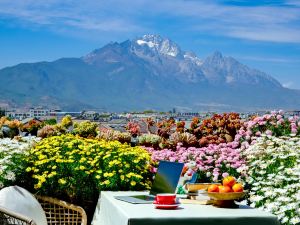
(85, 129)
(149, 111)
(51, 121)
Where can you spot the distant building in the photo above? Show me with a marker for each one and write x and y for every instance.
(17, 114)
(38, 112)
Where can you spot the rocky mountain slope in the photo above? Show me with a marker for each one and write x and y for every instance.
(149, 72)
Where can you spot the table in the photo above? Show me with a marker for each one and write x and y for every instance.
(110, 211)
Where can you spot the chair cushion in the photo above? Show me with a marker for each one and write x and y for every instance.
(21, 201)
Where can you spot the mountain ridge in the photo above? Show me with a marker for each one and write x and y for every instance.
(148, 72)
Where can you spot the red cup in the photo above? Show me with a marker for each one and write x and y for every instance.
(165, 199)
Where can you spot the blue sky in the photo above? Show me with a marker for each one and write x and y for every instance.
(261, 34)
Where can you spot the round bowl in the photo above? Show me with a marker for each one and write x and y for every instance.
(198, 186)
(226, 196)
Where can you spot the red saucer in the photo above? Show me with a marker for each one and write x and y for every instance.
(159, 206)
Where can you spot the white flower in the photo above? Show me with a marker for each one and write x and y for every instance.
(295, 220)
(10, 176)
(256, 198)
(274, 167)
(9, 149)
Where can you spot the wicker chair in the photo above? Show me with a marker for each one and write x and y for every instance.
(57, 212)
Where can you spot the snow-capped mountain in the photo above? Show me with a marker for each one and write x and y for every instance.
(162, 46)
(167, 59)
(147, 72)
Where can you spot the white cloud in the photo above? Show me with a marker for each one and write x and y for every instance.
(259, 23)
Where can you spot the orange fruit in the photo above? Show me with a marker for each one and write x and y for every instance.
(229, 181)
(238, 187)
(224, 189)
(213, 188)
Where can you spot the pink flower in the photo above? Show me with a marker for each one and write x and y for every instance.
(293, 126)
(249, 132)
(153, 169)
(209, 160)
(253, 142)
(281, 121)
(262, 123)
(267, 117)
(268, 132)
(225, 175)
(294, 131)
(242, 132)
(237, 137)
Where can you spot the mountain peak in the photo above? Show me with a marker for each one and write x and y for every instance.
(162, 45)
(149, 72)
(217, 55)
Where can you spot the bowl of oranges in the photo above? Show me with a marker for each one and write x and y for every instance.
(225, 194)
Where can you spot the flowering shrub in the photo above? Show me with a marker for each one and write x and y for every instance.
(85, 129)
(47, 131)
(9, 128)
(274, 171)
(32, 127)
(114, 135)
(212, 162)
(75, 168)
(66, 121)
(218, 129)
(133, 128)
(12, 153)
(180, 126)
(165, 128)
(273, 124)
(13, 124)
(186, 139)
(149, 140)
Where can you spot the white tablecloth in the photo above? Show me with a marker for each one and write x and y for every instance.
(110, 211)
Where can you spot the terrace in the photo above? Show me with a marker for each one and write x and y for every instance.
(75, 161)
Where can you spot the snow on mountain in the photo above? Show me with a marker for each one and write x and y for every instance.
(165, 58)
(162, 45)
(147, 72)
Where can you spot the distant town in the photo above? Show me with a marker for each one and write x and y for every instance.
(116, 121)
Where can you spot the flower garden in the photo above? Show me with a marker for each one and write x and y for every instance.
(74, 161)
